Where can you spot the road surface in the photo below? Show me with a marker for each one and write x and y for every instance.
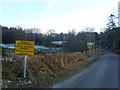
(102, 74)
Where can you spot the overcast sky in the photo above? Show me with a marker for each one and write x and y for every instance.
(60, 15)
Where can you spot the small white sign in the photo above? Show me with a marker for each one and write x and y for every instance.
(90, 43)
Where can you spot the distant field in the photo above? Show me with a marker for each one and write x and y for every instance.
(8, 49)
(37, 47)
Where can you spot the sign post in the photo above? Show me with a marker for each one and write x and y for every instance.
(25, 48)
(24, 70)
(93, 49)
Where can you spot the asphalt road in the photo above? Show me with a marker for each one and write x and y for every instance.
(101, 74)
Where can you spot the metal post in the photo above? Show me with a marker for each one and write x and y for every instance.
(93, 50)
(24, 71)
(99, 49)
(100, 42)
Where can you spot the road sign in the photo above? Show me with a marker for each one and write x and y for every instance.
(89, 46)
(24, 47)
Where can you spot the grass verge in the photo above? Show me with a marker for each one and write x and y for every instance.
(42, 70)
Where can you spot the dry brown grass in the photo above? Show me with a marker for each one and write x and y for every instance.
(43, 69)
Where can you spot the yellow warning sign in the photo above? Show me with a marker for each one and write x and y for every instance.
(24, 47)
(89, 46)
